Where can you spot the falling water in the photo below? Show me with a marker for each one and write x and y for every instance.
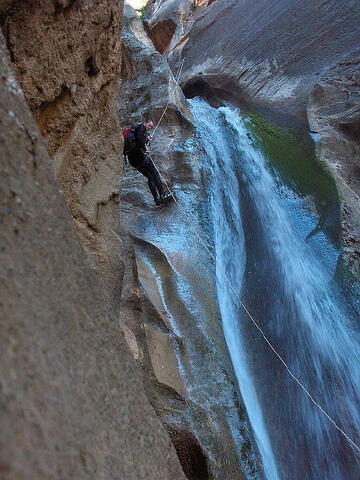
(260, 228)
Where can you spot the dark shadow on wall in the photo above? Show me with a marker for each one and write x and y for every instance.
(191, 456)
(161, 34)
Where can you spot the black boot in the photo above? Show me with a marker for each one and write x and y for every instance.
(158, 201)
(166, 196)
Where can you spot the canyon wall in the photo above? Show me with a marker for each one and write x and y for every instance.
(165, 337)
(66, 55)
(68, 376)
(334, 114)
(72, 404)
(273, 53)
(295, 58)
(69, 386)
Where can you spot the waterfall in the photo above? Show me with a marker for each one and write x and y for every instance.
(259, 237)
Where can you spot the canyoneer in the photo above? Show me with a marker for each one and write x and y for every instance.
(136, 151)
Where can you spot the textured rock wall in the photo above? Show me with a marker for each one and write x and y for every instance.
(66, 55)
(300, 58)
(167, 22)
(166, 339)
(170, 24)
(71, 403)
(334, 113)
(272, 52)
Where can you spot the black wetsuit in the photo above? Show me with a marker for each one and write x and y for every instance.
(143, 163)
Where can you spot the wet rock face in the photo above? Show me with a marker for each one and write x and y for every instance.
(334, 113)
(71, 403)
(66, 55)
(301, 59)
(165, 338)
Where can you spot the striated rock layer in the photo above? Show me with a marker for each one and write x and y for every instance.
(71, 403)
(196, 399)
(66, 56)
(334, 113)
(298, 58)
(271, 52)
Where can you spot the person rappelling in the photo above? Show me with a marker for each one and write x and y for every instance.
(136, 151)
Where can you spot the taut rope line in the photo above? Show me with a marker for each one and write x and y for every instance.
(168, 103)
(245, 308)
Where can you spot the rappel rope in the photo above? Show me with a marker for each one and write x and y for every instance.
(168, 103)
(223, 274)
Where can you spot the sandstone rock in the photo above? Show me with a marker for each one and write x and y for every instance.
(167, 23)
(163, 360)
(150, 285)
(175, 351)
(191, 391)
(130, 339)
(182, 369)
(192, 457)
(334, 113)
(71, 403)
(149, 90)
(148, 70)
(66, 56)
(287, 59)
(270, 53)
(170, 24)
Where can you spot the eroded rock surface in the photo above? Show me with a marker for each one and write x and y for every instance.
(66, 56)
(71, 403)
(288, 57)
(167, 22)
(170, 23)
(334, 114)
(271, 52)
(167, 339)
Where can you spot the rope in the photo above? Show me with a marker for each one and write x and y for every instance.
(293, 376)
(168, 103)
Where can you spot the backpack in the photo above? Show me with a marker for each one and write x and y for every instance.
(129, 140)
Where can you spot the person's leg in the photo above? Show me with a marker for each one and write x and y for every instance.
(154, 175)
(144, 169)
(152, 188)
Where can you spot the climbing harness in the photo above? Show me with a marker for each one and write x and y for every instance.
(223, 274)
